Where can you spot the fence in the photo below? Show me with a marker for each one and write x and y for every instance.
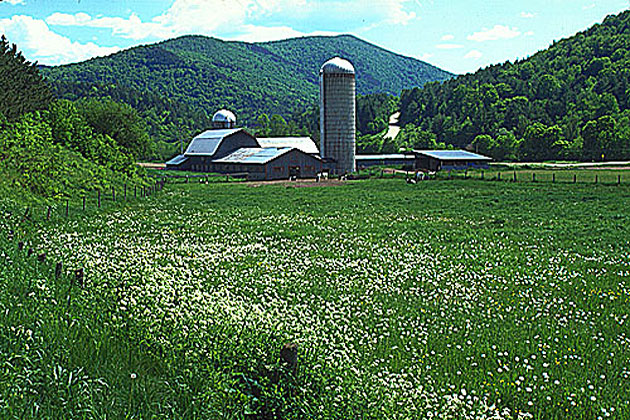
(205, 179)
(19, 224)
(593, 176)
(97, 199)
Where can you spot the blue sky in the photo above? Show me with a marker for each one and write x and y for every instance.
(456, 35)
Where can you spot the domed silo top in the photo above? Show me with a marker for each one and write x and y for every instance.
(337, 65)
(224, 116)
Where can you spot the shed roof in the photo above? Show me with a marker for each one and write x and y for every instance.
(451, 155)
(253, 155)
(177, 160)
(305, 144)
(385, 157)
(207, 143)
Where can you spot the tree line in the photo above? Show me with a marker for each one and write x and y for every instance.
(570, 101)
(49, 146)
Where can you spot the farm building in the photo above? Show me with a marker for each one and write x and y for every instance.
(404, 160)
(436, 160)
(235, 151)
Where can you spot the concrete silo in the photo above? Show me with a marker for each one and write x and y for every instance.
(338, 114)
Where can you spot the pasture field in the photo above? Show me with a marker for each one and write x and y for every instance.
(459, 299)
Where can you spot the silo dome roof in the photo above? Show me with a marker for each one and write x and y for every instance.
(337, 65)
(224, 115)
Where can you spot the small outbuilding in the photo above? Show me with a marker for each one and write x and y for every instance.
(403, 160)
(437, 160)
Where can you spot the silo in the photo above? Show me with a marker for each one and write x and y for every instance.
(338, 114)
(223, 119)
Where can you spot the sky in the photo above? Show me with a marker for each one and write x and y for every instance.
(457, 35)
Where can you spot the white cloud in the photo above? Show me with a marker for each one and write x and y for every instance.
(12, 2)
(474, 54)
(449, 46)
(528, 15)
(497, 33)
(39, 43)
(529, 33)
(448, 37)
(425, 57)
(588, 6)
(253, 33)
(212, 17)
(132, 27)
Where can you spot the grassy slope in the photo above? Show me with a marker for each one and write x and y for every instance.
(395, 293)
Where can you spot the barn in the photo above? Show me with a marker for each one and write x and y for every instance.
(436, 160)
(269, 163)
(235, 151)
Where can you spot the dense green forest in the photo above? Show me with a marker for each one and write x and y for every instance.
(570, 101)
(176, 85)
(54, 148)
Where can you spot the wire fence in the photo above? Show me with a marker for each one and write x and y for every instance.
(593, 176)
(93, 200)
(19, 225)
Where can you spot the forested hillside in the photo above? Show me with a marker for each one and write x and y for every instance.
(53, 148)
(177, 84)
(570, 101)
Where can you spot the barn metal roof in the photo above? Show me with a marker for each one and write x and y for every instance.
(451, 155)
(305, 144)
(253, 155)
(386, 157)
(177, 160)
(208, 142)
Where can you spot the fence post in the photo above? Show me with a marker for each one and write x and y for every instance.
(79, 277)
(83, 203)
(533, 176)
(481, 174)
(514, 177)
(553, 177)
(574, 178)
(596, 178)
(113, 194)
(618, 179)
(498, 176)
(125, 191)
(99, 199)
(135, 191)
(58, 269)
(67, 208)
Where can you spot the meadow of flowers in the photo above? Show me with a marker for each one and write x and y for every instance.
(446, 299)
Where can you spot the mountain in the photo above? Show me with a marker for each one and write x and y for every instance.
(184, 79)
(570, 101)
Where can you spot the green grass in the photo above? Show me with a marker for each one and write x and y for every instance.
(461, 298)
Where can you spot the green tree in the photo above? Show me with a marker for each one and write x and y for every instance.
(120, 122)
(22, 88)
(601, 140)
(540, 142)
